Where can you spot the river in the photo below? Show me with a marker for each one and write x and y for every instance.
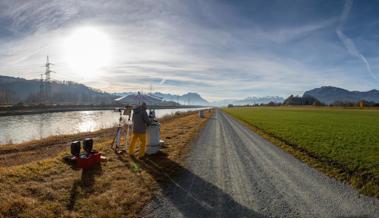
(22, 128)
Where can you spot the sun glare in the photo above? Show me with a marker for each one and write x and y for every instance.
(87, 51)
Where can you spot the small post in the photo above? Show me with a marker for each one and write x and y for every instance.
(361, 104)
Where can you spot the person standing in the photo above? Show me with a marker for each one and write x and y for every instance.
(140, 122)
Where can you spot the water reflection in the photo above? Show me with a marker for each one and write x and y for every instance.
(20, 128)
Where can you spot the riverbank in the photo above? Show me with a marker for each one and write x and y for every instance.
(40, 109)
(119, 187)
(24, 128)
(48, 147)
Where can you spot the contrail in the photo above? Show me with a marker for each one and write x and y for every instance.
(162, 81)
(29, 55)
(345, 12)
(348, 43)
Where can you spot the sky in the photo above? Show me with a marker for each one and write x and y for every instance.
(218, 48)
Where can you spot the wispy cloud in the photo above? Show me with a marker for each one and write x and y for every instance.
(349, 43)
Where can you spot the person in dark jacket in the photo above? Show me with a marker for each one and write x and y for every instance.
(140, 122)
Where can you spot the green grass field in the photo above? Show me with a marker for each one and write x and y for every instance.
(348, 136)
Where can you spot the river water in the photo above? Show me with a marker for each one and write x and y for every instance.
(21, 128)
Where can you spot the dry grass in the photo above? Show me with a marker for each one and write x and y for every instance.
(16, 154)
(119, 187)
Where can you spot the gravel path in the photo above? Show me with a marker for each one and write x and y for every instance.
(233, 172)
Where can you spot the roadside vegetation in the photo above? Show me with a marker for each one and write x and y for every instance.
(344, 143)
(119, 187)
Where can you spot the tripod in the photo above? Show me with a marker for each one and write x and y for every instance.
(122, 132)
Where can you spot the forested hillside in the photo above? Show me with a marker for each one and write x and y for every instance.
(18, 90)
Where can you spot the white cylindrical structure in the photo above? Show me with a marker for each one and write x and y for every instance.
(153, 138)
(201, 114)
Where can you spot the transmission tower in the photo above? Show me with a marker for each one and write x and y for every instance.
(41, 91)
(48, 72)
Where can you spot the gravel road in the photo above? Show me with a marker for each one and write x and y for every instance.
(233, 172)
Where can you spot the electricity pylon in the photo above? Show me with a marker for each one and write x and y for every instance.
(48, 72)
(41, 91)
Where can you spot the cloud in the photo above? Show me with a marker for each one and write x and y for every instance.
(162, 81)
(182, 46)
(30, 16)
(345, 12)
(288, 34)
(349, 43)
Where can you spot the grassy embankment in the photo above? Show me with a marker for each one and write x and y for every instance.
(343, 143)
(119, 187)
(16, 154)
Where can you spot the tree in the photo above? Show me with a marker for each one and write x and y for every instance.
(305, 100)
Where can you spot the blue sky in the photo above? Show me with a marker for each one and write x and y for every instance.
(220, 49)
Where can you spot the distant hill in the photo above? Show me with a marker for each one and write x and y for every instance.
(305, 100)
(190, 98)
(249, 101)
(133, 99)
(18, 90)
(330, 94)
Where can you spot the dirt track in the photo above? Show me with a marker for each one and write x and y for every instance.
(232, 172)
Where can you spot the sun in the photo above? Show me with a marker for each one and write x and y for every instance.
(87, 51)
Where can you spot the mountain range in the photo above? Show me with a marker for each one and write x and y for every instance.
(149, 99)
(19, 90)
(192, 98)
(15, 90)
(249, 101)
(189, 98)
(330, 94)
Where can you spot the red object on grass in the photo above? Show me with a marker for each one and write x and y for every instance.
(88, 160)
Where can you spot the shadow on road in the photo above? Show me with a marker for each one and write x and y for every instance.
(190, 194)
